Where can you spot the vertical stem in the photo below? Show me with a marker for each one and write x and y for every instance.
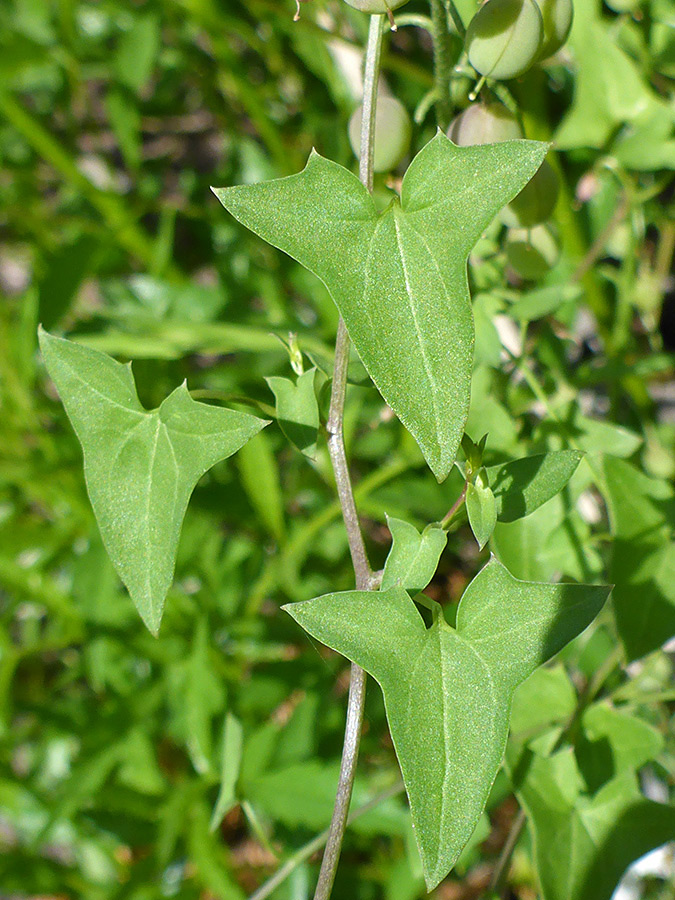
(456, 18)
(442, 62)
(336, 448)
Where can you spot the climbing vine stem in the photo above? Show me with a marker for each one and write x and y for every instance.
(336, 447)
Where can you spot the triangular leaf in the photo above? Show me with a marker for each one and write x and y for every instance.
(400, 273)
(140, 466)
(297, 409)
(448, 691)
(413, 558)
(481, 507)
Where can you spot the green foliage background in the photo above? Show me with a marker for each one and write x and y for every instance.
(115, 118)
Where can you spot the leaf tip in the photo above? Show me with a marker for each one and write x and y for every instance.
(152, 623)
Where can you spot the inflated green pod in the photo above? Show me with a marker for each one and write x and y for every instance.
(392, 133)
(557, 17)
(484, 123)
(536, 201)
(504, 38)
(531, 252)
(373, 7)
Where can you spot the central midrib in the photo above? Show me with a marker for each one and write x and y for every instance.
(418, 332)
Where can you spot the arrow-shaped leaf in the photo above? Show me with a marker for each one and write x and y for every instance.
(448, 691)
(413, 558)
(398, 277)
(140, 466)
(297, 409)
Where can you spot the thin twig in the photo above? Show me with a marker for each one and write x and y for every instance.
(317, 843)
(498, 876)
(336, 448)
(597, 247)
(448, 517)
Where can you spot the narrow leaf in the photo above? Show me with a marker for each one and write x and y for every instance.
(231, 761)
(260, 478)
(413, 558)
(525, 484)
(140, 466)
(447, 691)
(400, 273)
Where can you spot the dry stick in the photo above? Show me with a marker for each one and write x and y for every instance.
(336, 448)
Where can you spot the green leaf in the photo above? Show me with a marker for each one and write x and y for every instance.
(542, 302)
(401, 273)
(297, 409)
(641, 512)
(481, 507)
(554, 538)
(303, 795)
(125, 120)
(595, 436)
(203, 698)
(139, 770)
(584, 845)
(140, 466)
(207, 856)
(413, 558)
(614, 742)
(259, 471)
(547, 697)
(447, 691)
(229, 772)
(523, 485)
(609, 87)
(137, 51)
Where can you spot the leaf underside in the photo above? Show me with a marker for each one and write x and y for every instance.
(448, 691)
(398, 277)
(140, 466)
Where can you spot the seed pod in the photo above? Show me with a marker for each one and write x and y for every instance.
(531, 252)
(557, 17)
(536, 201)
(484, 123)
(504, 37)
(392, 133)
(373, 7)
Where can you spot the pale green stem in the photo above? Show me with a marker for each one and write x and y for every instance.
(456, 18)
(336, 447)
